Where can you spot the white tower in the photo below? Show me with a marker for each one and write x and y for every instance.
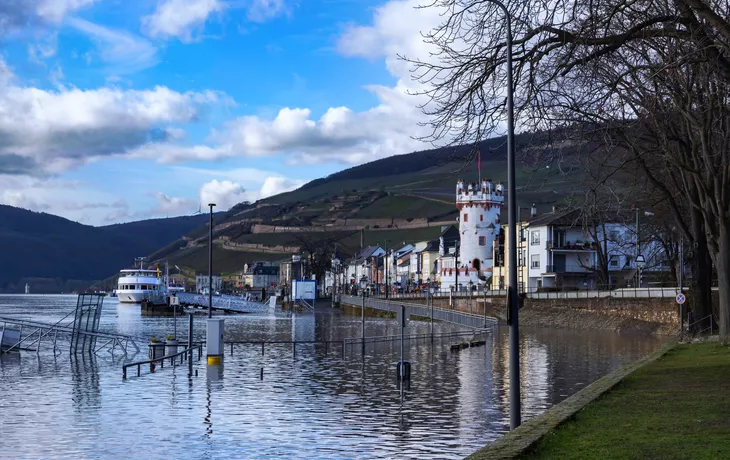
(27, 288)
(480, 207)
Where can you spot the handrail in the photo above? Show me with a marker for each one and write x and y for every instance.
(51, 327)
(701, 320)
(161, 359)
(384, 338)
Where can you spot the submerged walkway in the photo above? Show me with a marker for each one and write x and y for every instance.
(676, 407)
(424, 311)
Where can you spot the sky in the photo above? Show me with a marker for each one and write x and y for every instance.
(113, 111)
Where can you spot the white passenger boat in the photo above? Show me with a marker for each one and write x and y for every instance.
(136, 285)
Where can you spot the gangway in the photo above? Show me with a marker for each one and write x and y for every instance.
(231, 304)
(81, 331)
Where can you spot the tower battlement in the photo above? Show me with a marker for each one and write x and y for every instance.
(486, 194)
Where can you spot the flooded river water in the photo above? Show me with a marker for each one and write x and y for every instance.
(314, 404)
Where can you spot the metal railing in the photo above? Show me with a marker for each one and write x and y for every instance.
(426, 335)
(579, 269)
(293, 343)
(710, 328)
(182, 354)
(474, 320)
(41, 330)
(546, 293)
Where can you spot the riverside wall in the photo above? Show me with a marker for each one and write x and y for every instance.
(644, 315)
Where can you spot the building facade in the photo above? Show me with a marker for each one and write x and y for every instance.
(201, 283)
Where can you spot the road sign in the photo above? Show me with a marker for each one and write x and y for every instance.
(174, 300)
(681, 298)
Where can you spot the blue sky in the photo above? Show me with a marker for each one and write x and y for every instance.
(114, 111)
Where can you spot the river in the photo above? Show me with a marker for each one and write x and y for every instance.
(313, 404)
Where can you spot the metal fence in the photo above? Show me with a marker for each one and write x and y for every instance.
(628, 293)
(424, 311)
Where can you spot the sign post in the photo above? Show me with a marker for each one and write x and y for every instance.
(681, 299)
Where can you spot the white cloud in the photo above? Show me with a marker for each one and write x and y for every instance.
(245, 184)
(173, 206)
(390, 35)
(276, 185)
(55, 10)
(71, 199)
(224, 194)
(124, 52)
(43, 49)
(264, 10)
(16, 14)
(179, 18)
(340, 134)
(50, 131)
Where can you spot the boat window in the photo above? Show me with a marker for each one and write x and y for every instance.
(144, 287)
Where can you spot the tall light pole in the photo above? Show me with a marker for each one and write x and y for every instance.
(210, 263)
(515, 418)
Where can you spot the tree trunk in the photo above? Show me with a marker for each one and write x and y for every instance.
(701, 274)
(722, 262)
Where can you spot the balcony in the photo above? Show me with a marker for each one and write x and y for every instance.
(569, 269)
(570, 246)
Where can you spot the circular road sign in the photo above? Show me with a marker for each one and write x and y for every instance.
(681, 298)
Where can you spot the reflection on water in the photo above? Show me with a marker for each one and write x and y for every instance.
(312, 405)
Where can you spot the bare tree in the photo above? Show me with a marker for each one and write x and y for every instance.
(652, 75)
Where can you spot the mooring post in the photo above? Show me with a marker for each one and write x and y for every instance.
(430, 300)
(404, 367)
(190, 344)
(363, 323)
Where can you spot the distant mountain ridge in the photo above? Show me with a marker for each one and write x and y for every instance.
(60, 254)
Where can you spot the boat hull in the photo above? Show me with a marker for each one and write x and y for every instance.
(132, 296)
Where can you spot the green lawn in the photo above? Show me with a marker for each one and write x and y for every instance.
(675, 408)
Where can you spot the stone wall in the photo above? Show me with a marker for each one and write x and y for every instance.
(650, 315)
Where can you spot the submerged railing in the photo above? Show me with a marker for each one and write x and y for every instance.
(182, 354)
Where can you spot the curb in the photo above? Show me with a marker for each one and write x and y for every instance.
(518, 441)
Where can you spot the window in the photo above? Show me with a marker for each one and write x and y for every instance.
(535, 261)
(613, 262)
(482, 241)
(535, 237)
(466, 217)
(481, 217)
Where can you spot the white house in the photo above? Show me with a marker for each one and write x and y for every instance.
(561, 253)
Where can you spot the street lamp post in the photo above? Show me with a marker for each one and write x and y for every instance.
(210, 263)
(512, 295)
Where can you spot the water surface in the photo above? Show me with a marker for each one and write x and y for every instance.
(310, 405)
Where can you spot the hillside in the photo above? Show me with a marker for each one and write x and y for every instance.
(54, 254)
(405, 198)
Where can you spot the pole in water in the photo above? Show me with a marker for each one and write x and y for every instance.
(190, 344)
(363, 323)
(404, 367)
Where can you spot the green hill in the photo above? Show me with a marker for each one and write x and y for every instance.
(54, 254)
(404, 198)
